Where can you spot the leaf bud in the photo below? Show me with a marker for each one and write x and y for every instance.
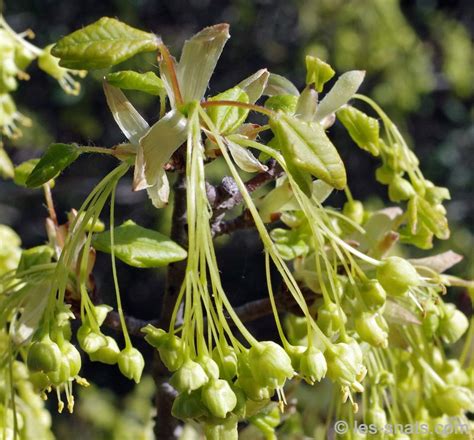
(218, 397)
(453, 324)
(397, 275)
(190, 376)
(131, 363)
(270, 364)
(108, 354)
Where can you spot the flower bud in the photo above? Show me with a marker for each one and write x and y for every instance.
(228, 363)
(188, 406)
(331, 318)
(372, 328)
(170, 347)
(73, 357)
(454, 400)
(40, 381)
(227, 430)
(247, 383)
(373, 294)
(430, 323)
(354, 209)
(44, 356)
(384, 175)
(296, 328)
(400, 189)
(377, 418)
(108, 354)
(218, 397)
(313, 365)
(453, 324)
(131, 363)
(190, 376)
(295, 352)
(397, 275)
(89, 340)
(101, 312)
(270, 364)
(210, 366)
(62, 374)
(436, 194)
(344, 365)
(454, 374)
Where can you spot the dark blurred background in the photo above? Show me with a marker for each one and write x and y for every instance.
(419, 58)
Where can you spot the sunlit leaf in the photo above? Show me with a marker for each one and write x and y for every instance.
(227, 118)
(440, 262)
(318, 72)
(139, 247)
(245, 159)
(344, 89)
(103, 44)
(56, 158)
(147, 82)
(255, 84)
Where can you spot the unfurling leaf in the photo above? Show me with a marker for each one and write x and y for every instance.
(139, 247)
(55, 160)
(198, 60)
(245, 159)
(255, 84)
(318, 72)
(284, 103)
(344, 89)
(228, 118)
(143, 82)
(103, 44)
(363, 129)
(307, 146)
(307, 105)
(279, 85)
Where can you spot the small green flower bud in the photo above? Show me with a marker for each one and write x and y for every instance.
(190, 376)
(210, 366)
(188, 406)
(227, 430)
(454, 400)
(131, 363)
(376, 416)
(436, 194)
(354, 209)
(331, 318)
(108, 354)
(384, 175)
(73, 356)
(313, 365)
(372, 328)
(400, 189)
(270, 364)
(240, 409)
(227, 364)
(40, 381)
(430, 323)
(454, 374)
(218, 397)
(62, 374)
(101, 312)
(397, 275)
(453, 324)
(89, 340)
(373, 294)
(170, 347)
(44, 356)
(344, 365)
(295, 352)
(296, 328)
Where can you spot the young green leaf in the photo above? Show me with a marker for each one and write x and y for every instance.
(139, 247)
(307, 146)
(255, 84)
(198, 60)
(245, 159)
(439, 262)
(279, 85)
(6, 165)
(363, 129)
(307, 104)
(228, 118)
(344, 89)
(318, 72)
(103, 44)
(284, 103)
(55, 160)
(143, 82)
